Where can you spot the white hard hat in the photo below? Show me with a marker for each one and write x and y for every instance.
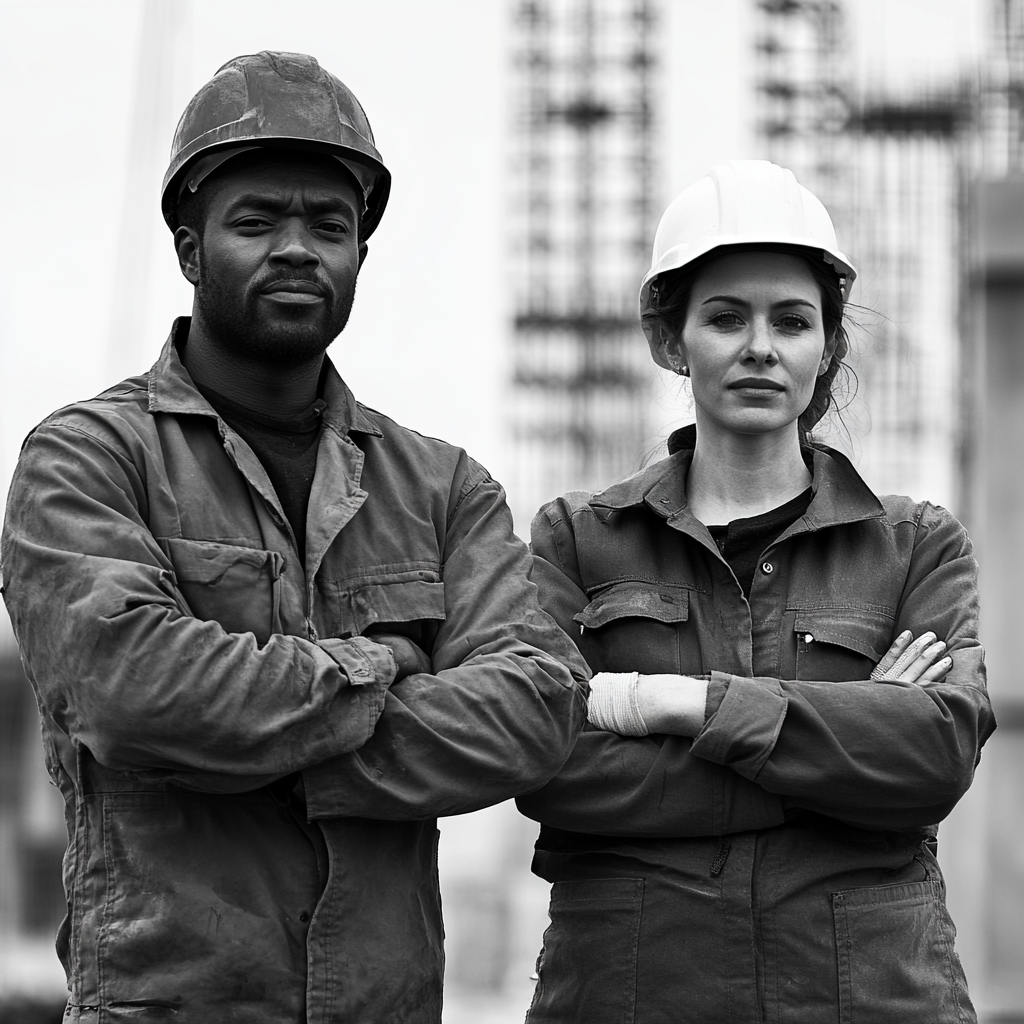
(742, 202)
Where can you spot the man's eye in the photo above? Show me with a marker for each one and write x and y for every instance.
(333, 227)
(252, 222)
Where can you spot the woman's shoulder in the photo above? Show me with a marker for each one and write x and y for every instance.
(625, 493)
(931, 525)
(902, 508)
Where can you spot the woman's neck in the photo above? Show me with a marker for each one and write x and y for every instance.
(736, 476)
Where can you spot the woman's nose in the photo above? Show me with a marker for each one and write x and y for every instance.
(761, 343)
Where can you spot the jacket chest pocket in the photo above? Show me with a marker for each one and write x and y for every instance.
(236, 586)
(634, 627)
(413, 607)
(840, 644)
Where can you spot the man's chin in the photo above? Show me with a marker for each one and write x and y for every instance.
(285, 348)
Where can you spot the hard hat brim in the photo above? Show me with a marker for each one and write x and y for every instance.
(683, 255)
(205, 145)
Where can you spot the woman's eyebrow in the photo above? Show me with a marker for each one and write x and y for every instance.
(735, 300)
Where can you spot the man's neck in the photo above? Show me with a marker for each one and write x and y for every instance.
(736, 476)
(288, 389)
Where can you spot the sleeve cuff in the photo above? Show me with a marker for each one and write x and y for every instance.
(742, 721)
(363, 661)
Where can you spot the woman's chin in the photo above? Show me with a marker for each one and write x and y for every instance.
(754, 422)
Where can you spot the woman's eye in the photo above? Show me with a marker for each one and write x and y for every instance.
(792, 322)
(725, 319)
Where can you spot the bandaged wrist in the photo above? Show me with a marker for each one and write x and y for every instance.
(613, 704)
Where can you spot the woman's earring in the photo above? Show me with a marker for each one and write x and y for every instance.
(684, 370)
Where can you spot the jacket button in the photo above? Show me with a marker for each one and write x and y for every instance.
(767, 568)
(304, 917)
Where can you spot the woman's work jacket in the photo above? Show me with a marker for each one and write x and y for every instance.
(780, 866)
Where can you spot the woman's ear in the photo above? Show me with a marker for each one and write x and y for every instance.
(827, 354)
(674, 349)
(186, 244)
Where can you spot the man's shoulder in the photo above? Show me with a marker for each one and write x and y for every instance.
(114, 414)
(428, 456)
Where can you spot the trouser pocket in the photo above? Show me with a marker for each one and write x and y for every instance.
(587, 968)
(894, 946)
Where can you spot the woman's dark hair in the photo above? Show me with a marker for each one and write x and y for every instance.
(670, 300)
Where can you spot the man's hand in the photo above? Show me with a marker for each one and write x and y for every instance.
(913, 661)
(409, 658)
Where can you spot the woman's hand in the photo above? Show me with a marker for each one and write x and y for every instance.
(672, 704)
(631, 704)
(913, 661)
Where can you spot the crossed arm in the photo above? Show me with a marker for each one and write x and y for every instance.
(732, 753)
(631, 704)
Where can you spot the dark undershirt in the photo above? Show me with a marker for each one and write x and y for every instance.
(743, 541)
(286, 449)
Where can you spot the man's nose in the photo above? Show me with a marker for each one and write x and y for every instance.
(294, 248)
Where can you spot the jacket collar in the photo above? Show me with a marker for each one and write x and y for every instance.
(171, 389)
(839, 494)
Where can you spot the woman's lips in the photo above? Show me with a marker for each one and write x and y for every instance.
(753, 387)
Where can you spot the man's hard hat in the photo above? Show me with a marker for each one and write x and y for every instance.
(742, 202)
(283, 100)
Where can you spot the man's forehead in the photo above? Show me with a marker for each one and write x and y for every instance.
(275, 178)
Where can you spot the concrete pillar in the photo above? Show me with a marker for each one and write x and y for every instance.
(987, 867)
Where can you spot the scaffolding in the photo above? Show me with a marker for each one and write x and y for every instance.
(802, 93)
(888, 168)
(584, 211)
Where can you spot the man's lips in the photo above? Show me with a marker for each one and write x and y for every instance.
(293, 292)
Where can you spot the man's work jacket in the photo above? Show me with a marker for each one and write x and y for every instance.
(188, 666)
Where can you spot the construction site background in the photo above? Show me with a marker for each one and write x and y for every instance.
(534, 144)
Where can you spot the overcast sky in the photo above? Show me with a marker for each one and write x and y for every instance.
(425, 342)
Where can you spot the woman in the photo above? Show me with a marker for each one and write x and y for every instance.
(789, 689)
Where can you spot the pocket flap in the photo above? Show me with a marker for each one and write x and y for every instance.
(206, 561)
(397, 602)
(635, 600)
(864, 630)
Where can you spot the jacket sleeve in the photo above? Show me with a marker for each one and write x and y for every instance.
(647, 786)
(503, 706)
(124, 668)
(878, 755)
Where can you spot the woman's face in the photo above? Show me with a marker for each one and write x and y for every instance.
(754, 342)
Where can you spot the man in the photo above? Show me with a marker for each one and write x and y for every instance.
(273, 634)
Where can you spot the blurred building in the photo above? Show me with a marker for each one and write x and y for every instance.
(584, 205)
(925, 184)
(32, 842)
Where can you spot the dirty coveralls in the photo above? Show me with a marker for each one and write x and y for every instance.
(780, 866)
(184, 660)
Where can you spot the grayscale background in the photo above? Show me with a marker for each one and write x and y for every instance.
(533, 145)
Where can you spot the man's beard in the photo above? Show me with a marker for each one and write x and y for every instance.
(239, 325)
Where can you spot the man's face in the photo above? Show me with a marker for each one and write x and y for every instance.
(277, 259)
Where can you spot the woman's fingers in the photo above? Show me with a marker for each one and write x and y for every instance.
(914, 661)
(899, 645)
(923, 662)
(937, 671)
